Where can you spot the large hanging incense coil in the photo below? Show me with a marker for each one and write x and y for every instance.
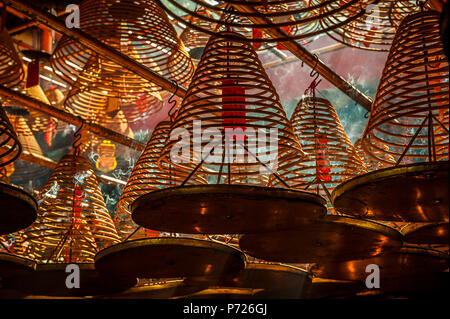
(73, 223)
(11, 70)
(410, 110)
(230, 92)
(147, 176)
(331, 158)
(196, 40)
(371, 163)
(25, 135)
(139, 29)
(10, 147)
(285, 14)
(96, 106)
(374, 30)
(231, 131)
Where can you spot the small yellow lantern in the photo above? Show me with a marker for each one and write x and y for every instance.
(106, 161)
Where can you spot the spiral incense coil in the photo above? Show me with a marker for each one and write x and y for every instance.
(10, 147)
(23, 170)
(410, 110)
(374, 30)
(25, 135)
(302, 16)
(371, 163)
(95, 106)
(331, 158)
(232, 98)
(11, 70)
(73, 223)
(195, 40)
(147, 176)
(139, 29)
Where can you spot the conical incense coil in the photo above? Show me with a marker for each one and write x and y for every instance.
(10, 147)
(139, 29)
(25, 135)
(371, 163)
(147, 176)
(331, 158)
(73, 223)
(11, 70)
(410, 110)
(196, 40)
(96, 106)
(374, 30)
(285, 14)
(231, 99)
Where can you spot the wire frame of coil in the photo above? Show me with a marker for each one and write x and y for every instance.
(147, 176)
(331, 158)
(196, 40)
(10, 147)
(11, 243)
(129, 230)
(410, 110)
(374, 30)
(73, 223)
(286, 14)
(232, 99)
(139, 29)
(372, 164)
(95, 106)
(11, 70)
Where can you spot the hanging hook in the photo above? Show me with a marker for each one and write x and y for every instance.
(173, 102)
(315, 75)
(77, 138)
(421, 4)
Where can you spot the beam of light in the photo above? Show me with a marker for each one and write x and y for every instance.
(112, 179)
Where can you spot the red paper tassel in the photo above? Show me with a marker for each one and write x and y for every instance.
(50, 133)
(33, 74)
(231, 92)
(257, 34)
(322, 163)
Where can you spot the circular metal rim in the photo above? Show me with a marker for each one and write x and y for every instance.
(384, 173)
(49, 271)
(237, 189)
(370, 225)
(349, 221)
(19, 195)
(234, 190)
(276, 267)
(18, 260)
(221, 291)
(406, 249)
(149, 291)
(175, 241)
(413, 227)
(162, 241)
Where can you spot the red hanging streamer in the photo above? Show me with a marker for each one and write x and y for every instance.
(257, 34)
(232, 118)
(33, 74)
(50, 132)
(323, 169)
